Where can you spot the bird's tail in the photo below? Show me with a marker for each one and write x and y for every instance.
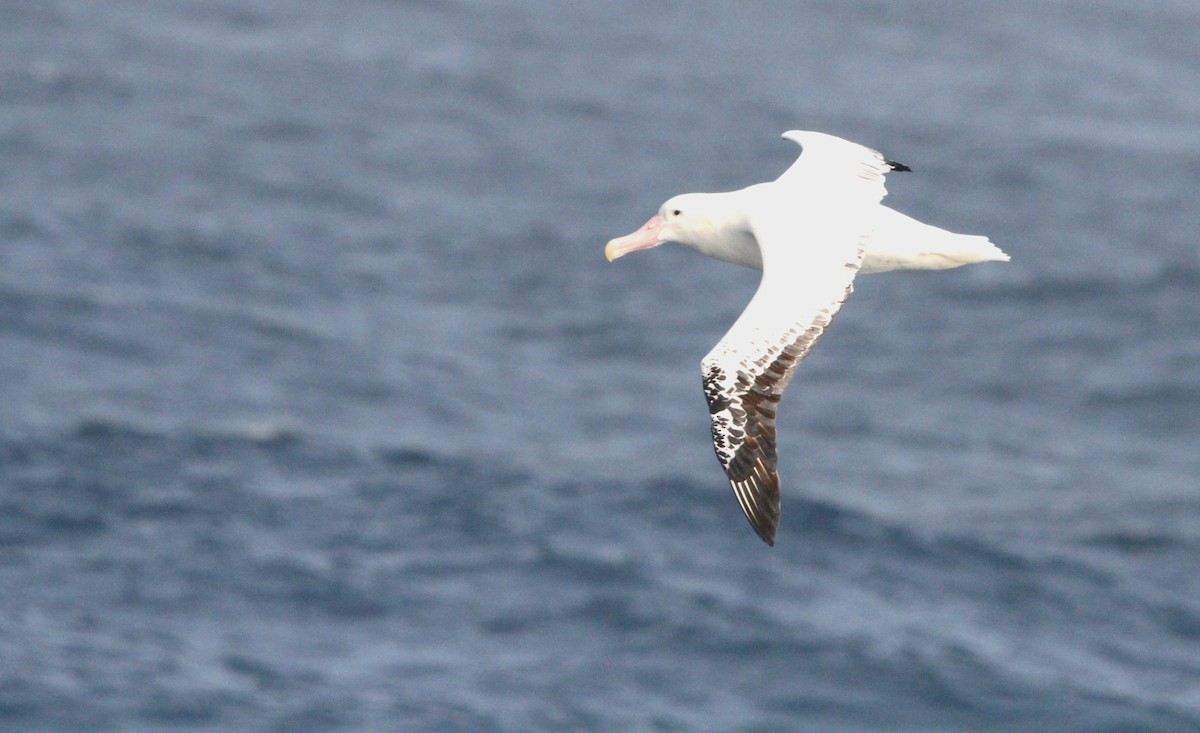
(903, 243)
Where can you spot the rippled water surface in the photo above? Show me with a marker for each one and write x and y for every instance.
(321, 410)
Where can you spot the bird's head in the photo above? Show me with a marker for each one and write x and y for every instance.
(686, 218)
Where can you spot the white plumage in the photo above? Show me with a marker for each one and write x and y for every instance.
(810, 232)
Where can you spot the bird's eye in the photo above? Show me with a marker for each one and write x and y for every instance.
(676, 212)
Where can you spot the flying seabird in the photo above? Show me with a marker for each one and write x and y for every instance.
(810, 232)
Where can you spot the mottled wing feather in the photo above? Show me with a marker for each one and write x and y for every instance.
(743, 389)
(811, 227)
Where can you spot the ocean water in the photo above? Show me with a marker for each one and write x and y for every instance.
(320, 409)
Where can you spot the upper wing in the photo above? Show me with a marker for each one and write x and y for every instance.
(832, 166)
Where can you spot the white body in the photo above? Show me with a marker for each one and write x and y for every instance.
(810, 232)
(897, 242)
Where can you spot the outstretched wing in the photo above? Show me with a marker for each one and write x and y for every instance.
(744, 378)
(845, 173)
(811, 226)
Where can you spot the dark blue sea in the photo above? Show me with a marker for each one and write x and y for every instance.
(321, 409)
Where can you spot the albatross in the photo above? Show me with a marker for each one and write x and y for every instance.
(810, 232)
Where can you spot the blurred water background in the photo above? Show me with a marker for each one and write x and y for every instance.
(320, 409)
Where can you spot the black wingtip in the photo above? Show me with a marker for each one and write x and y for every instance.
(766, 528)
(899, 167)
